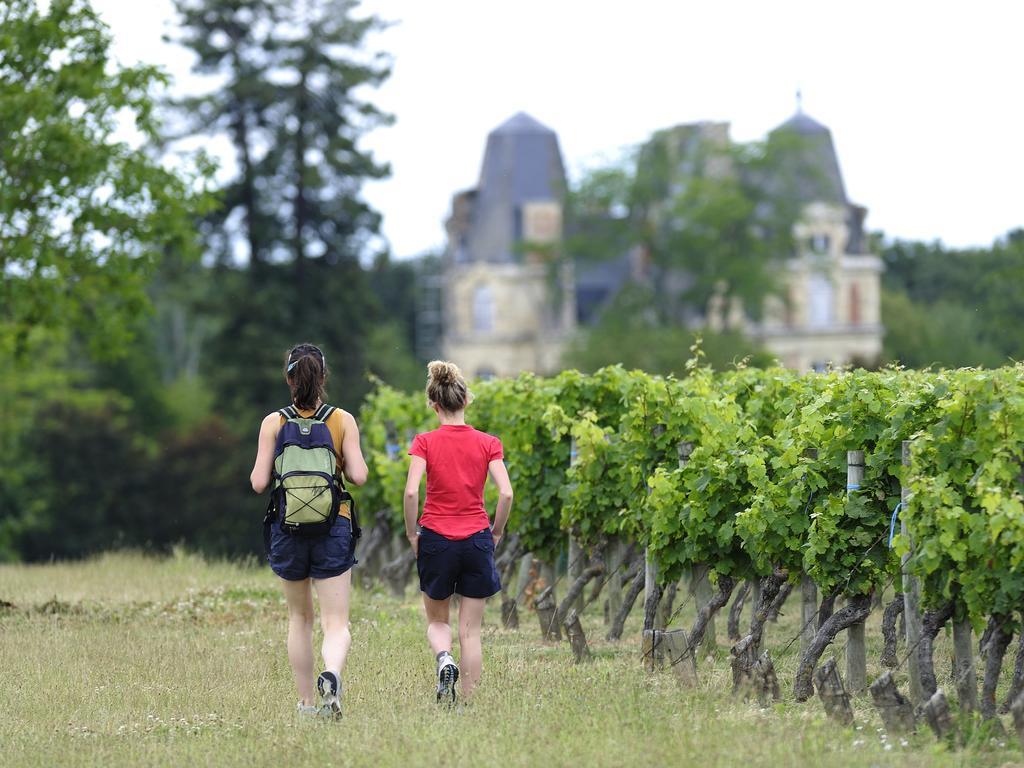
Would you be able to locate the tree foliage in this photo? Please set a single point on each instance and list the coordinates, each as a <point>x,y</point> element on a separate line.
<point>84,215</point>
<point>706,216</point>
<point>291,102</point>
<point>953,307</point>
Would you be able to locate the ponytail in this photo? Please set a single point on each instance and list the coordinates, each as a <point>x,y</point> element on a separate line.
<point>306,373</point>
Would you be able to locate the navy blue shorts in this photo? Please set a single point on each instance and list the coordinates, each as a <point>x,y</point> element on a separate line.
<point>319,557</point>
<point>463,566</point>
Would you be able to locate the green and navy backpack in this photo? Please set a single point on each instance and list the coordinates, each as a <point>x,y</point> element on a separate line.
<point>307,490</point>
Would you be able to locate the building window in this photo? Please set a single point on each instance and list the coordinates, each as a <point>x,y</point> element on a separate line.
<point>820,300</point>
<point>483,309</point>
<point>485,373</point>
<point>854,304</point>
<point>819,243</point>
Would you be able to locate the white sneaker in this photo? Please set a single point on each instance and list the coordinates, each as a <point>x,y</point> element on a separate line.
<point>329,687</point>
<point>447,676</point>
<point>307,710</point>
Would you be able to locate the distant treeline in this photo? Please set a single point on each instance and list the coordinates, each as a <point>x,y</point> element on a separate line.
<point>143,344</point>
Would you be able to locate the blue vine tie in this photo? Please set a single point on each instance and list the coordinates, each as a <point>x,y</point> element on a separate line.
<point>892,523</point>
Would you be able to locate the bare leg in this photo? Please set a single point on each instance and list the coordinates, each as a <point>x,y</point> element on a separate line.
<point>333,594</point>
<point>439,631</point>
<point>300,635</point>
<point>471,617</point>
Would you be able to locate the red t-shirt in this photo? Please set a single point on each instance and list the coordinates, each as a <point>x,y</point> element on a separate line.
<point>457,459</point>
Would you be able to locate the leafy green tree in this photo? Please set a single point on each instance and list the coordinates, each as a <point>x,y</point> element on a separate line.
<point>707,217</point>
<point>944,334</point>
<point>84,216</point>
<point>954,306</point>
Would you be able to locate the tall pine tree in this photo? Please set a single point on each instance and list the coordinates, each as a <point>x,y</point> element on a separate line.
<point>292,78</point>
<point>293,73</point>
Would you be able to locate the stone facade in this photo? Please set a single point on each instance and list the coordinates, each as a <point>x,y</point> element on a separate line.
<point>509,302</point>
<point>831,313</point>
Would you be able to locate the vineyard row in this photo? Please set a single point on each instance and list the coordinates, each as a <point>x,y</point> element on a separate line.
<point>834,484</point>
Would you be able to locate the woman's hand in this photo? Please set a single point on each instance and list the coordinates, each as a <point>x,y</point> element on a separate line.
<point>497,537</point>
<point>411,501</point>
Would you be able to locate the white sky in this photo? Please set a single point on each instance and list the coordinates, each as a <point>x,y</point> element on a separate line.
<point>923,98</point>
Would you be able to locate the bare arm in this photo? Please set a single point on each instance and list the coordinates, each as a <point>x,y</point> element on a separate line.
<point>499,476</point>
<point>354,464</point>
<point>260,477</point>
<point>411,501</point>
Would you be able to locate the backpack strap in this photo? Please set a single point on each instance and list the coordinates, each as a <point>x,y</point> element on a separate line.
<point>323,413</point>
<point>289,412</point>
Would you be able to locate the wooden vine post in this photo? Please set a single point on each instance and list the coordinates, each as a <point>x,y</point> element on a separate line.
<point>652,590</point>
<point>936,714</point>
<point>833,695</point>
<point>547,610</point>
<point>911,594</point>
<point>808,611</point>
<point>509,613</point>
<point>669,649</point>
<point>700,584</point>
<point>965,676</point>
<point>578,640</point>
<point>856,650</point>
<point>808,599</point>
<point>526,578</point>
<point>1017,710</point>
<point>618,552</point>
<point>896,711</point>
<point>576,558</point>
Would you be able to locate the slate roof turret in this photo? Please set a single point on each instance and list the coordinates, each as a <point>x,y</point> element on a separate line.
<point>522,164</point>
<point>816,154</point>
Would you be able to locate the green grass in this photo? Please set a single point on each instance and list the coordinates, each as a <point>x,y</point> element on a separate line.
<point>128,660</point>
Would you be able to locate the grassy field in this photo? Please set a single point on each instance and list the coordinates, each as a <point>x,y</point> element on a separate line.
<point>128,660</point>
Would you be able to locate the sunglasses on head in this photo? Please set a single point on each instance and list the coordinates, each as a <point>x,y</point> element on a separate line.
<point>323,361</point>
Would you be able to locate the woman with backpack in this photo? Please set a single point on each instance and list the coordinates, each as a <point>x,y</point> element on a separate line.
<point>454,545</point>
<point>304,451</point>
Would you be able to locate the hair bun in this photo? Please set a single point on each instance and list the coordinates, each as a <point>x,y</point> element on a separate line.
<point>444,373</point>
<point>446,386</point>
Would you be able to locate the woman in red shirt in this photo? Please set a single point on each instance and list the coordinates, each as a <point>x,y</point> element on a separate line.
<point>454,545</point>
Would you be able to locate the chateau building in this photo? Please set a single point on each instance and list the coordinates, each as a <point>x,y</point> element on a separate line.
<point>510,301</point>
<point>832,308</point>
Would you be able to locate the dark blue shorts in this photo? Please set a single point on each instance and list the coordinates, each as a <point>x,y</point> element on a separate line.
<point>319,557</point>
<point>463,566</point>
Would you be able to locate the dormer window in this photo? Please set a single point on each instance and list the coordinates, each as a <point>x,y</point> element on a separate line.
<point>819,243</point>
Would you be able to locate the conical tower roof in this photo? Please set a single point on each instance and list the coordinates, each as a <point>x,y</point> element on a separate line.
<point>521,122</point>
<point>522,164</point>
<point>814,154</point>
